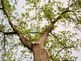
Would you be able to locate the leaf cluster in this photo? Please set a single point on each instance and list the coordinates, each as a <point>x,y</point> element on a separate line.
<point>48,11</point>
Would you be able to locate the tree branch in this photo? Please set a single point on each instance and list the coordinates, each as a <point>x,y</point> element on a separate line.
<point>23,39</point>
<point>44,36</point>
<point>0,8</point>
<point>8,33</point>
<point>65,11</point>
<point>75,15</point>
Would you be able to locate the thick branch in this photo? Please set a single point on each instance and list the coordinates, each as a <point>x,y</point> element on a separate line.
<point>44,36</point>
<point>23,39</point>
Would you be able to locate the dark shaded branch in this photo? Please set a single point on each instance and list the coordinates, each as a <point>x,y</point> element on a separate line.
<point>59,17</point>
<point>57,39</point>
<point>8,17</point>
<point>23,39</point>
<point>7,33</point>
<point>59,51</point>
<point>0,8</point>
<point>4,41</point>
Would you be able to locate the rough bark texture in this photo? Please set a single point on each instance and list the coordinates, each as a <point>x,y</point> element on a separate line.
<point>40,54</point>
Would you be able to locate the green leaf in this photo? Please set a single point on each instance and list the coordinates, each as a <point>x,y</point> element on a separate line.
<point>48,11</point>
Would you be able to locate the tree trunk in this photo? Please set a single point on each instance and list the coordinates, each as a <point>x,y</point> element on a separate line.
<point>40,54</point>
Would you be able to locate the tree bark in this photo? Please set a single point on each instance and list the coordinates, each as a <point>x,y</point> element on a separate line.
<point>40,54</point>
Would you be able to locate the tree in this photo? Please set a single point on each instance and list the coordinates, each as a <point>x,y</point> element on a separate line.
<point>36,36</point>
